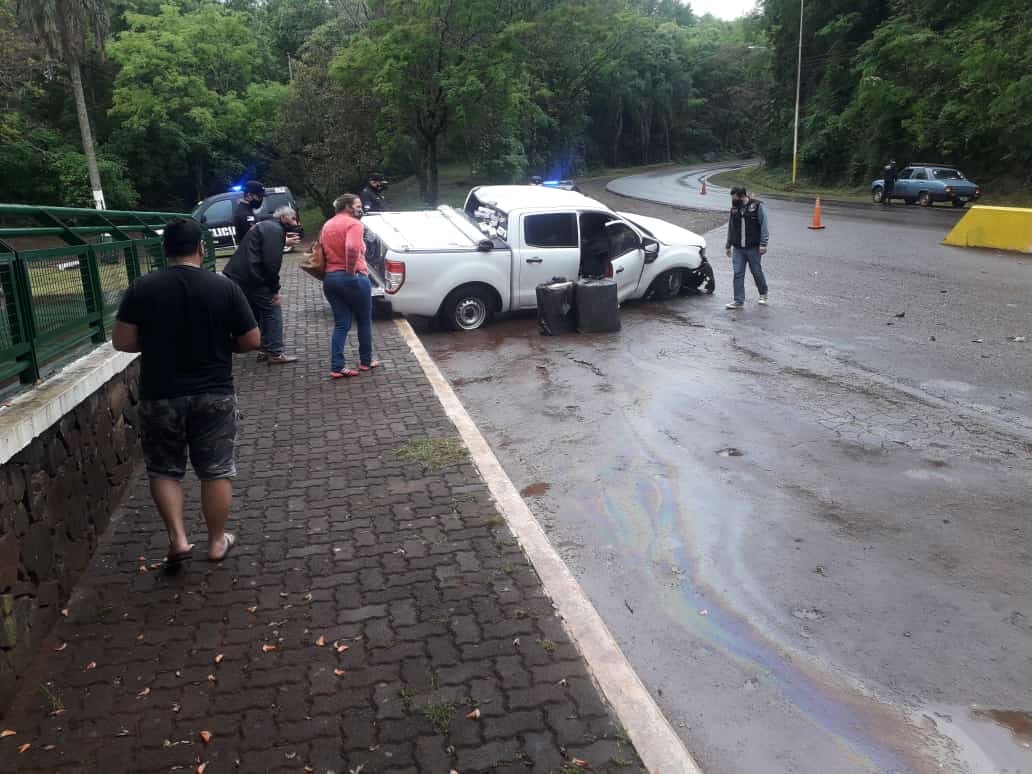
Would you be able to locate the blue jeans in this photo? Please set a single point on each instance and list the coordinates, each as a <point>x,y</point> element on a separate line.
<point>351,298</point>
<point>742,257</point>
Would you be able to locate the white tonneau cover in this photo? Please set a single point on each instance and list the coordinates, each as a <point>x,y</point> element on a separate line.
<point>425,230</point>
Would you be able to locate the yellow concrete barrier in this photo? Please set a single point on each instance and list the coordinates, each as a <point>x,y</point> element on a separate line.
<point>1005,228</point>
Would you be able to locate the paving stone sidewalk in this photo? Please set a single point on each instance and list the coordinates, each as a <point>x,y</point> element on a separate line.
<point>374,601</point>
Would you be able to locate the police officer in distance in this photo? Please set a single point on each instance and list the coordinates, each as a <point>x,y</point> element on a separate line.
<point>889,182</point>
<point>746,243</point>
<point>373,199</point>
<point>244,213</point>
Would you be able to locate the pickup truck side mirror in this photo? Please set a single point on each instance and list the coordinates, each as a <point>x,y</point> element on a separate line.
<point>651,249</point>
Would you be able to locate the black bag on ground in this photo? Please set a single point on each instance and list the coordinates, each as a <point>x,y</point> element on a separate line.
<point>556,308</point>
<point>598,310</point>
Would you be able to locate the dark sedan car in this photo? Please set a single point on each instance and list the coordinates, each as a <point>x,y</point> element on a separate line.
<point>216,213</point>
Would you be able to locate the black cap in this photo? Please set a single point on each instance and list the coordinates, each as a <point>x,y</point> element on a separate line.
<point>377,177</point>
<point>254,187</point>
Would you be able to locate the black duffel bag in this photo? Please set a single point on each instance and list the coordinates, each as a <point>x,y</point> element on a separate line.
<point>598,309</point>
<point>555,303</point>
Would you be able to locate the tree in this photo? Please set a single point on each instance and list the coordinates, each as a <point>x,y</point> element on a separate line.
<point>326,151</point>
<point>190,106</point>
<point>429,62</point>
<point>64,27</point>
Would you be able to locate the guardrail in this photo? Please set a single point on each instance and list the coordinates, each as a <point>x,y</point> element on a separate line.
<point>62,275</point>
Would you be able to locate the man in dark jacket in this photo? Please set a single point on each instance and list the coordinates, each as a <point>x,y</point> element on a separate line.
<point>747,243</point>
<point>889,182</point>
<point>245,211</point>
<point>255,267</point>
<point>373,199</point>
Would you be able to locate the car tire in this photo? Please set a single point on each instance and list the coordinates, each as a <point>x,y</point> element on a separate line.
<point>466,309</point>
<point>701,280</point>
<point>667,285</point>
<point>924,199</point>
<point>877,194</point>
<point>959,204</point>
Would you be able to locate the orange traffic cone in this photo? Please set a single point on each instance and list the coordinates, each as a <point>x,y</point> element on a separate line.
<point>817,216</point>
<point>703,191</point>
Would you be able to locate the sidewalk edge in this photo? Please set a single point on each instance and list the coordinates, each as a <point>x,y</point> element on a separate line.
<point>658,745</point>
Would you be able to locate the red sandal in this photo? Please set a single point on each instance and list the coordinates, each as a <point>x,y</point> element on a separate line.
<point>346,374</point>
<point>370,366</point>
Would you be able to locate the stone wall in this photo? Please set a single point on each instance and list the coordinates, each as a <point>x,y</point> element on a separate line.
<point>56,498</point>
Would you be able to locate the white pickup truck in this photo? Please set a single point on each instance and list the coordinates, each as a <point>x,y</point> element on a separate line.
<point>464,266</point>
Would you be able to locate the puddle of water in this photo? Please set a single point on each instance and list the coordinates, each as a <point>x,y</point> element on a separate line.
<point>988,740</point>
<point>535,490</point>
<point>927,475</point>
<point>946,385</point>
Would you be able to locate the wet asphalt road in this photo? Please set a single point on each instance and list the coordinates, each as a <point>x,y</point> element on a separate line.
<point>808,526</point>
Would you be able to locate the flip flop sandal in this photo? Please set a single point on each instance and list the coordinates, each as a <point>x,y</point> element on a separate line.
<point>370,366</point>
<point>178,558</point>
<point>231,540</point>
<point>344,374</point>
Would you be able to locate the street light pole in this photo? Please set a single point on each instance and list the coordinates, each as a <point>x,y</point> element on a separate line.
<point>798,84</point>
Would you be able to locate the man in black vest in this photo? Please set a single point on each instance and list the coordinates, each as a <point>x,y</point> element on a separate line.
<point>746,243</point>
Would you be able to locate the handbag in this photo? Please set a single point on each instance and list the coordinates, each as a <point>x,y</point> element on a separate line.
<point>314,263</point>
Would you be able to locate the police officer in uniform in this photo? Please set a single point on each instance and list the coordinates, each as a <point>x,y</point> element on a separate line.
<point>244,213</point>
<point>373,199</point>
<point>746,243</point>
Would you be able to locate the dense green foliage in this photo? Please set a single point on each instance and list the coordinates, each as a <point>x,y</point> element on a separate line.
<point>935,80</point>
<point>187,97</point>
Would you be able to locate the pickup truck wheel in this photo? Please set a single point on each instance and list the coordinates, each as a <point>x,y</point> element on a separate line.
<point>667,285</point>
<point>877,194</point>
<point>466,309</point>
<point>700,280</point>
<point>924,199</point>
<point>709,282</point>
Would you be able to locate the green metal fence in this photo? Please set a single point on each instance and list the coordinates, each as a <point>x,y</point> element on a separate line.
<point>62,275</point>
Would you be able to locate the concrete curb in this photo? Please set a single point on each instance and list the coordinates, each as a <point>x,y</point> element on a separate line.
<point>31,413</point>
<point>659,747</point>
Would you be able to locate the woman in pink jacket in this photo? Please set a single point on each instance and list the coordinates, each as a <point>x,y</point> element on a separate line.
<point>347,285</point>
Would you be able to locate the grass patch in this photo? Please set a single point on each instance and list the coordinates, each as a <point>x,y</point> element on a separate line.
<point>547,645</point>
<point>311,216</point>
<point>52,698</point>
<point>407,695</point>
<point>439,715</point>
<point>433,453</point>
<point>763,179</point>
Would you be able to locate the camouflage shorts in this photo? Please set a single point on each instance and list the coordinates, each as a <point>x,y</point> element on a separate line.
<point>203,425</point>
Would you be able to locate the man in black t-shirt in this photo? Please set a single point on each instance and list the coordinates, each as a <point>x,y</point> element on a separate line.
<point>187,323</point>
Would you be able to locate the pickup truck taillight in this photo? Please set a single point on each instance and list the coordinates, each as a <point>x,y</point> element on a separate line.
<point>393,276</point>
<point>609,270</point>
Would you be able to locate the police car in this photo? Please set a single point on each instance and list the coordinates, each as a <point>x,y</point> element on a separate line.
<point>216,213</point>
